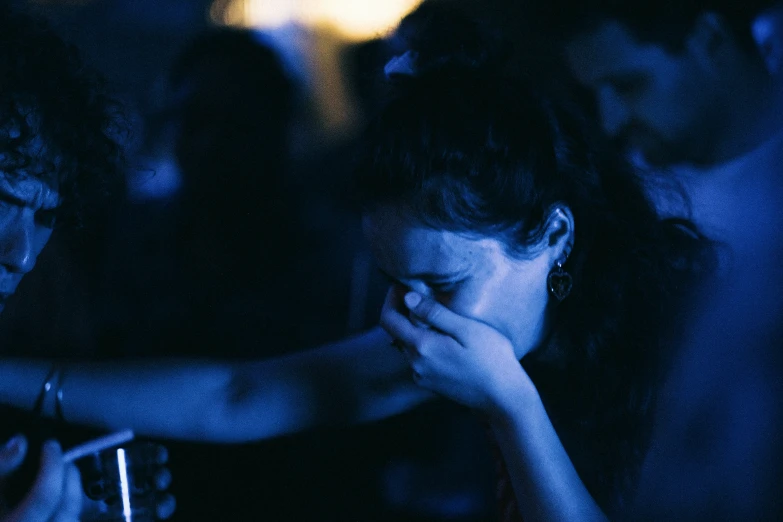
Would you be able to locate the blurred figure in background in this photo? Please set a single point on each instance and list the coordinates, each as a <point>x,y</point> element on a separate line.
<point>679,82</point>
<point>210,215</point>
<point>230,218</point>
<point>693,91</point>
<point>229,253</point>
<point>684,88</point>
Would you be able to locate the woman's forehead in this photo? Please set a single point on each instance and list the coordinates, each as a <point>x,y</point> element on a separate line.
<point>404,245</point>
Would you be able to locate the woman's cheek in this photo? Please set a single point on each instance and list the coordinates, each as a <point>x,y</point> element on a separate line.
<point>468,303</point>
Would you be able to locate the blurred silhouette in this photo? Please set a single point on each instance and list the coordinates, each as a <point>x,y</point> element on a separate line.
<point>230,222</point>
<point>678,82</point>
<point>692,89</point>
<point>230,251</point>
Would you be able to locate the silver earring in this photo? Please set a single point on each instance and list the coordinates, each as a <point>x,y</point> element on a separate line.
<point>559,282</point>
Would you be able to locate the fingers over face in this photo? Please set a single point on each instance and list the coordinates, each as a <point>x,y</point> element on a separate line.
<point>394,318</point>
<point>437,316</point>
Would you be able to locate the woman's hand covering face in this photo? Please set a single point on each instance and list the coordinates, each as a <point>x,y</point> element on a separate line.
<point>457,357</point>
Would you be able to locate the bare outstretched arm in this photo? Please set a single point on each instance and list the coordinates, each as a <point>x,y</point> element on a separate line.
<point>356,380</point>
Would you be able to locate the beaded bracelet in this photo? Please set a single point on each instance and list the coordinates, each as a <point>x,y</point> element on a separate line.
<point>58,397</point>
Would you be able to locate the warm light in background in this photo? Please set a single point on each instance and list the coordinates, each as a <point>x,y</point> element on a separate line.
<point>61,2</point>
<point>354,19</point>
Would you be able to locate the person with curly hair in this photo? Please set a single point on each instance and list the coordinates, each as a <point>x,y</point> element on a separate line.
<point>58,148</point>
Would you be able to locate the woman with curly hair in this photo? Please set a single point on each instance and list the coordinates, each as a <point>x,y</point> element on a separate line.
<point>508,237</point>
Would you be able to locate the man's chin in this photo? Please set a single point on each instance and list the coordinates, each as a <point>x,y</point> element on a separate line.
<point>658,154</point>
<point>649,160</point>
<point>647,150</point>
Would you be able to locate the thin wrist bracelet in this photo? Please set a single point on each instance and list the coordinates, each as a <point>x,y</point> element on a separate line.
<point>47,386</point>
<point>58,396</point>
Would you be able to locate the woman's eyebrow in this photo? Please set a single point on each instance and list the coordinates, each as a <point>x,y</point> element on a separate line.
<point>430,276</point>
<point>423,276</point>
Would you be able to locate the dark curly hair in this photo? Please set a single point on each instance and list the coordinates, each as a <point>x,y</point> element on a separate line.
<point>467,147</point>
<point>59,125</point>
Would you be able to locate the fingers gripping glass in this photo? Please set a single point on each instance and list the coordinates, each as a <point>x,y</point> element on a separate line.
<point>118,477</point>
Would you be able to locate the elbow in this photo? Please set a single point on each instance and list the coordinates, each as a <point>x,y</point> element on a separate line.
<point>215,414</point>
<point>246,408</point>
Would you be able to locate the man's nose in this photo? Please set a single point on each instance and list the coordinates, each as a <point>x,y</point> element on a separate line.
<point>17,253</point>
<point>613,112</point>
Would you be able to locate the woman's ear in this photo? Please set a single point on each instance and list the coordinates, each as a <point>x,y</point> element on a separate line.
<point>558,237</point>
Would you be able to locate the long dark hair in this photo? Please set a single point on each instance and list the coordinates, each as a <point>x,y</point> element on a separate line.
<point>467,146</point>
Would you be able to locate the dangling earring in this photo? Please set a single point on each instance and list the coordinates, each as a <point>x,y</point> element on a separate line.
<point>559,282</point>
